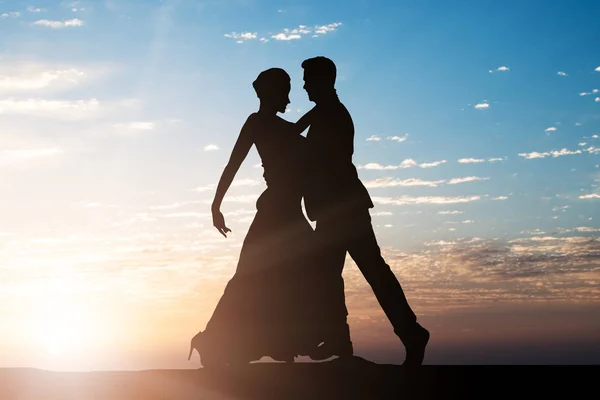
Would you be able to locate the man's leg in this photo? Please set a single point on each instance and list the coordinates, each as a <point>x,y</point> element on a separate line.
<point>329,287</point>
<point>364,250</point>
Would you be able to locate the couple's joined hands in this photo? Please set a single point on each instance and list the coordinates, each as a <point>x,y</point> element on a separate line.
<point>219,222</point>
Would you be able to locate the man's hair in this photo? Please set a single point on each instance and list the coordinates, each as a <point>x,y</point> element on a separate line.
<point>321,68</point>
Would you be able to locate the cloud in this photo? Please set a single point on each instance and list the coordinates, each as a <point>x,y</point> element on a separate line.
<point>481,106</point>
<point>381,213</point>
<point>470,160</point>
<point>373,138</point>
<point>35,9</point>
<point>407,163</point>
<point>550,129</point>
<point>33,80</point>
<point>287,34</point>
<point>393,182</point>
<point>22,156</point>
<point>432,164</point>
<point>584,93</point>
<point>590,196</point>
<point>11,14</point>
<point>454,181</point>
<point>246,182</point>
<point>597,99</point>
<point>534,267</point>
<point>408,200</point>
<point>561,73</point>
<point>62,109</point>
<point>501,69</point>
<point>204,188</point>
<point>323,29</point>
<point>211,147</point>
<point>60,24</point>
<point>597,69</point>
<point>553,153</point>
<point>450,212</point>
<point>241,37</point>
<point>500,198</point>
<point>398,138</point>
<point>478,160</point>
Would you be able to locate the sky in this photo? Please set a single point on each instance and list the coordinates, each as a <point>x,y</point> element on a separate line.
<point>477,135</point>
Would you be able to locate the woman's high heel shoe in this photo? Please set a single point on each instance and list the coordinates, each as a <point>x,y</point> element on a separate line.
<point>195,343</point>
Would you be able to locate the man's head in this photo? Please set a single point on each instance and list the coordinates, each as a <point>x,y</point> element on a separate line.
<point>319,77</point>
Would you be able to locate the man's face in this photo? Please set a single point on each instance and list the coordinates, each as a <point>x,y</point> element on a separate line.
<point>310,86</point>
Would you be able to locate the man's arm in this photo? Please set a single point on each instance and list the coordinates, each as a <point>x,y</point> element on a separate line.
<point>342,129</point>
<point>303,123</point>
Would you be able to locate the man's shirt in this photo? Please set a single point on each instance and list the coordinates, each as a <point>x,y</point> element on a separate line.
<point>334,184</point>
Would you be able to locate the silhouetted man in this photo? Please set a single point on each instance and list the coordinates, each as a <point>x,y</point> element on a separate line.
<point>339,203</point>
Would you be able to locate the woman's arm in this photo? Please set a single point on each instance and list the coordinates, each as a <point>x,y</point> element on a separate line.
<point>240,150</point>
<point>303,123</point>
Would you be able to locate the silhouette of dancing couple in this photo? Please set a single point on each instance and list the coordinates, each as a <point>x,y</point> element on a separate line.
<point>286,298</point>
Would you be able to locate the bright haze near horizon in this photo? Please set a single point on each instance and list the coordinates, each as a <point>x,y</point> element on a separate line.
<point>477,135</point>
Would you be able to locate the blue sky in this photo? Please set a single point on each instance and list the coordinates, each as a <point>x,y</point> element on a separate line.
<point>477,129</point>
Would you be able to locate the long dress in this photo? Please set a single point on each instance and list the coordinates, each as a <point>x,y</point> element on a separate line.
<point>271,305</point>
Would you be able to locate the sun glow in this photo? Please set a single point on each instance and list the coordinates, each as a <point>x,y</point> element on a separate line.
<point>64,329</point>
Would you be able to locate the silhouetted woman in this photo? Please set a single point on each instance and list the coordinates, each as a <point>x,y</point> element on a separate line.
<point>271,305</point>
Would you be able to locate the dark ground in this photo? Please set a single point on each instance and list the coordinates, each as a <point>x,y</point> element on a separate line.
<point>310,381</point>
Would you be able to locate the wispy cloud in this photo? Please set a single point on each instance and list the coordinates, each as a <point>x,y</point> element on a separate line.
<point>11,14</point>
<point>211,147</point>
<point>23,156</point>
<point>62,109</point>
<point>60,24</point>
<point>393,182</point>
<point>241,37</point>
<point>482,106</point>
<point>550,129</point>
<point>471,160</point>
<point>398,138</point>
<point>432,164</point>
<point>503,68</point>
<point>33,9</point>
<point>590,196</point>
<point>407,163</point>
<point>32,80</point>
<point>454,181</point>
<point>553,153</point>
<point>562,73</point>
<point>373,138</point>
<point>287,34</point>
<point>409,200</point>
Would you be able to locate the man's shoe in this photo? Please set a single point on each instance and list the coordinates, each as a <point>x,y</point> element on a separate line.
<point>415,350</point>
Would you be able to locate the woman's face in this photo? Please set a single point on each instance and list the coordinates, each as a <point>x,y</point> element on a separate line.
<point>282,98</point>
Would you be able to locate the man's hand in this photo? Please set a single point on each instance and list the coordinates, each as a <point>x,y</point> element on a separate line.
<point>219,222</point>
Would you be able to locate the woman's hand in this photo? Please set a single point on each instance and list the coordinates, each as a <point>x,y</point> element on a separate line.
<point>219,222</point>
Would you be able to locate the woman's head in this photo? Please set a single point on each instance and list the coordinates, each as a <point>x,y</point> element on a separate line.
<point>273,88</point>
